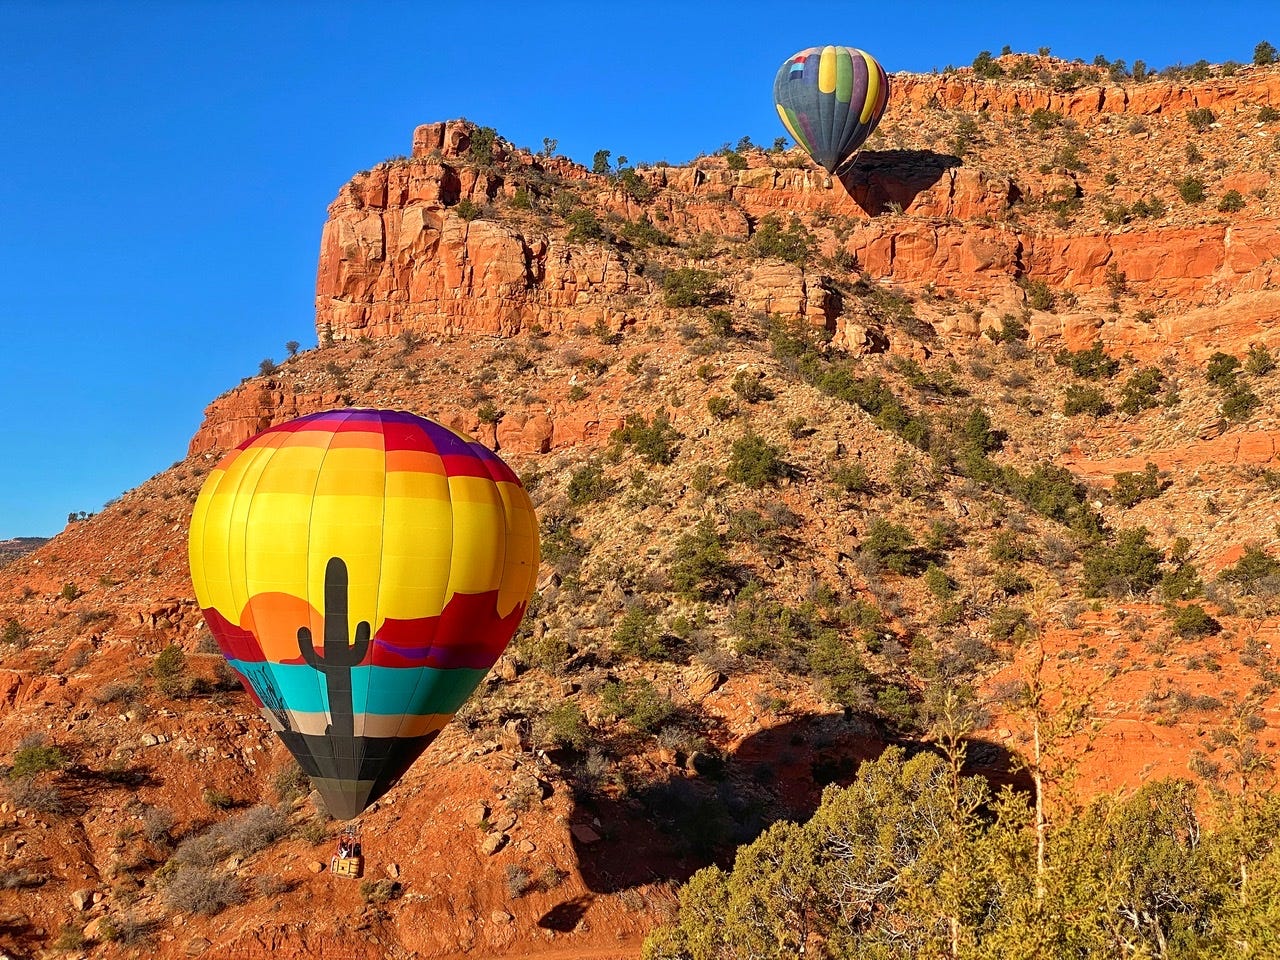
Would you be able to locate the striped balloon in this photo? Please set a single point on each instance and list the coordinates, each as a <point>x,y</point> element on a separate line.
<point>830,99</point>
<point>361,571</point>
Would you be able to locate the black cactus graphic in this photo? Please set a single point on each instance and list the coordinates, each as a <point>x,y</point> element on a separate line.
<point>340,653</point>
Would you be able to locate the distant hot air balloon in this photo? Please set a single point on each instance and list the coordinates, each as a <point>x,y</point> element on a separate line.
<point>362,570</point>
<point>830,99</point>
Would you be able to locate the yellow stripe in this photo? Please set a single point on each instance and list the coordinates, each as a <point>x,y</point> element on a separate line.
<point>827,70</point>
<point>873,87</point>
<point>410,540</point>
<point>782,114</point>
<point>479,538</point>
<point>195,544</point>
<point>520,568</point>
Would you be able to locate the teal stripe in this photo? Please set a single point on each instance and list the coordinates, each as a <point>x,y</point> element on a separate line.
<point>388,691</point>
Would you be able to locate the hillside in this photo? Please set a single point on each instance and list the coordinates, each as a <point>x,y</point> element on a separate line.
<point>806,454</point>
<point>16,546</point>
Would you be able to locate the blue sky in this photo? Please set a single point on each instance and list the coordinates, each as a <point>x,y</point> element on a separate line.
<point>165,166</point>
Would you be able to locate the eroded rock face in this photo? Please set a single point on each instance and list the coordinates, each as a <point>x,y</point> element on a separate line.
<point>397,257</point>
<point>1089,103</point>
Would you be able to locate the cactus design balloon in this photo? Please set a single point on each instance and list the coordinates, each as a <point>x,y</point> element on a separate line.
<point>361,571</point>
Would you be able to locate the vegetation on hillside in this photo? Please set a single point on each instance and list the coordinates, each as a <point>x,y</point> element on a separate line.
<point>819,526</point>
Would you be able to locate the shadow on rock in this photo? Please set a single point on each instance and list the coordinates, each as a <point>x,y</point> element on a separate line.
<point>881,178</point>
<point>564,917</point>
<point>693,811</point>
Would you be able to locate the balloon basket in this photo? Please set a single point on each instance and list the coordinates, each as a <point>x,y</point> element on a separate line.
<point>349,868</point>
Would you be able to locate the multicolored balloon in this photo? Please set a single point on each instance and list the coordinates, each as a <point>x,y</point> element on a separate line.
<point>830,99</point>
<point>361,571</point>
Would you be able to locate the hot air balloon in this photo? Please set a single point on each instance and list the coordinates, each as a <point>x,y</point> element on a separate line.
<point>830,99</point>
<point>361,571</point>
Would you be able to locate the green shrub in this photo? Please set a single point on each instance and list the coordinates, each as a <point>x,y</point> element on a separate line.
<point>584,227</point>
<point>1201,119</point>
<point>700,567</point>
<point>893,547</point>
<point>755,462</point>
<point>38,758</point>
<point>590,483</point>
<point>1008,547</point>
<point>69,938</point>
<point>1053,492</point>
<point>1180,583</point>
<point>467,209</point>
<point>794,243</point>
<point>1008,623</point>
<point>169,669</point>
<point>690,287</point>
<point>1231,202</point>
<point>1193,621</point>
<point>291,783</point>
<point>482,142</point>
<point>1221,369</point>
<point>1039,294</point>
<point>1141,390</point>
<point>638,702</point>
<point>766,628</point>
<point>1240,402</point>
<point>634,186</point>
<point>1090,400</point>
<point>720,407</point>
<point>1128,565</point>
<point>642,233</point>
<point>1191,189</point>
<point>721,322</point>
<point>985,66</point>
<point>1010,583</point>
<point>1042,119</point>
<point>750,387</point>
<point>218,799</point>
<point>565,725</point>
<point>14,633</point>
<point>522,199</point>
<point>938,583</point>
<point>1132,488</point>
<point>852,478</point>
<point>1011,330</point>
<point>637,635</point>
<point>655,442</point>
<point>1259,361</point>
<point>1091,364</point>
<point>835,662</point>
<point>1256,571</point>
<point>1264,53</point>
<point>380,891</point>
<point>1149,206</point>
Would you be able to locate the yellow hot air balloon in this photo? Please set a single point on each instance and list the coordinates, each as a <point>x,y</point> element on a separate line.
<point>362,570</point>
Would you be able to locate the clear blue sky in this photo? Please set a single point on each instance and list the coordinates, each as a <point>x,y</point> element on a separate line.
<point>165,166</point>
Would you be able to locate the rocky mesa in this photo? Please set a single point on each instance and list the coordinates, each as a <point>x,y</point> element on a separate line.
<point>993,412</point>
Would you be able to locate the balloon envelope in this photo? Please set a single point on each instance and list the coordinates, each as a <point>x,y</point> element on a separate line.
<point>830,99</point>
<point>361,571</point>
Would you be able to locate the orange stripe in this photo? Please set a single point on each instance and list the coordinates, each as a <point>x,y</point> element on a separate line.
<point>415,461</point>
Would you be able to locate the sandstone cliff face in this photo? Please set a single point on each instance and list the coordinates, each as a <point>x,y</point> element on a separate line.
<point>396,256</point>
<point>961,91</point>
